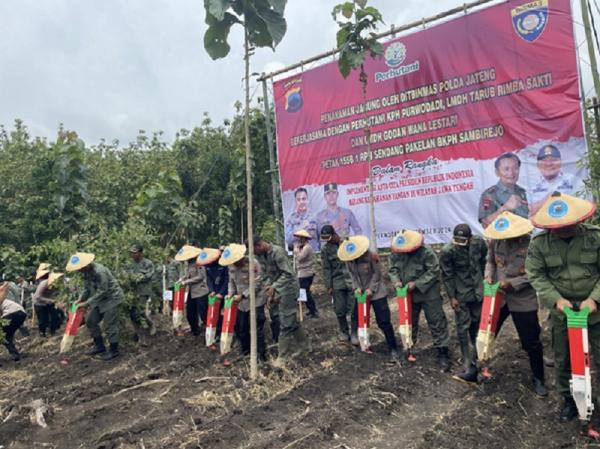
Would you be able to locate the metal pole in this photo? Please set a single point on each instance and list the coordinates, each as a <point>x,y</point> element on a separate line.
<point>596,106</point>
<point>590,45</point>
<point>272,166</point>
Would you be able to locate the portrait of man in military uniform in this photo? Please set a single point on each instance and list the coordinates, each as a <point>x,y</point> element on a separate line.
<point>343,220</point>
<point>551,178</point>
<point>301,219</point>
<point>506,195</point>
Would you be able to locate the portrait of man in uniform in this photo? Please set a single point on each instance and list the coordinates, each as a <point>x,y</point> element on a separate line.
<point>343,220</point>
<point>301,219</point>
<point>551,178</point>
<point>506,195</point>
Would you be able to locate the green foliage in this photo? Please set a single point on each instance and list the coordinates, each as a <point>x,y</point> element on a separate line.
<point>356,38</point>
<point>263,20</point>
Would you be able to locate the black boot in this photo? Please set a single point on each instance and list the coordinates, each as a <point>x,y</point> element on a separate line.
<point>568,411</point>
<point>443,359</point>
<point>98,347</point>
<point>12,350</point>
<point>539,388</point>
<point>469,375</point>
<point>112,353</point>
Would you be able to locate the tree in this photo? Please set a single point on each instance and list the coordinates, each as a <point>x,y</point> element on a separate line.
<point>356,39</point>
<point>264,26</point>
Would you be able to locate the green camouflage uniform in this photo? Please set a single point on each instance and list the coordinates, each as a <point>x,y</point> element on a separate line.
<point>141,275</point>
<point>569,269</point>
<point>462,273</point>
<point>337,278</point>
<point>422,268</point>
<point>103,297</point>
<point>281,277</point>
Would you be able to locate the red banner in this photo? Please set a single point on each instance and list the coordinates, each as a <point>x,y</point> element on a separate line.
<point>443,105</point>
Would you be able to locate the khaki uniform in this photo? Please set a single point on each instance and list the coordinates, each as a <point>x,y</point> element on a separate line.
<point>568,269</point>
<point>103,295</point>
<point>422,268</point>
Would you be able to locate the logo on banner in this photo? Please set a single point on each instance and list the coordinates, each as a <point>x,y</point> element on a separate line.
<point>293,96</point>
<point>530,20</point>
<point>395,54</point>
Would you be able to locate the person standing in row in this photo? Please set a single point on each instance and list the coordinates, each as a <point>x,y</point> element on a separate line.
<point>305,259</point>
<point>510,236</point>
<point>217,280</point>
<point>234,258</point>
<point>563,266</point>
<point>101,297</point>
<point>44,303</point>
<point>365,271</point>
<point>338,284</point>
<point>415,265</point>
<point>195,279</point>
<point>462,262</point>
<point>13,316</point>
<point>281,289</point>
<point>140,274</point>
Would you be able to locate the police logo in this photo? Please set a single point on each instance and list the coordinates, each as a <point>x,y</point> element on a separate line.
<point>558,209</point>
<point>400,240</point>
<point>75,260</point>
<point>395,54</point>
<point>350,247</point>
<point>502,224</point>
<point>203,255</point>
<point>530,20</point>
<point>293,100</point>
<point>227,253</point>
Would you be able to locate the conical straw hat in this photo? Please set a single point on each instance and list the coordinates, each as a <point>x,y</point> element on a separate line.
<point>508,226</point>
<point>232,253</point>
<point>187,252</point>
<point>208,256</point>
<point>561,210</point>
<point>407,241</point>
<point>53,278</point>
<point>79,261</point>
<point>353,247</point>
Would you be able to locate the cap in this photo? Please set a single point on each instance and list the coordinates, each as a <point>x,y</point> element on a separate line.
<point>327,232</point>
<point>462,233</point>
<point>331,187</point>
<point>548,151</point>
<point>136,248</point>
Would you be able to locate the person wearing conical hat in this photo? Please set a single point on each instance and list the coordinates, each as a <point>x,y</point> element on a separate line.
<point>415,265</point>
<point>563,266</point>
<point>196,306</point>
<point>235,260</point>
<point>462,262</point>
<point>101,298</point>
<point>44,302</point>
<point>282,291</point>
<point>217,280</point>
<point>12,315</point>
<point>305,259</point>
<point>365,272</point>
<point>338,284</point>
<point>510,237</point>
<point>139,274</point>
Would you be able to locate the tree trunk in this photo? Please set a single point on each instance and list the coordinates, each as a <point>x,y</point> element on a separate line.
<point>250,233</point>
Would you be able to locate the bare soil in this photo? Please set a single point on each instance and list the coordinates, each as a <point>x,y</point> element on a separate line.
<point>173,392</point>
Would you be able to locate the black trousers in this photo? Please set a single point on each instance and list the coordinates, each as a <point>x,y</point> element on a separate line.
<point>196,308</point>
<point>15,321</point>
<point>306,283</point>
<point>528,328</point>
<point>242,330</point>
<point>383,318</point>
<point>48,317</point>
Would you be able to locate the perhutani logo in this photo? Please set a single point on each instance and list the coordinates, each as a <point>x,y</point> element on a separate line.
<point>394,55</point>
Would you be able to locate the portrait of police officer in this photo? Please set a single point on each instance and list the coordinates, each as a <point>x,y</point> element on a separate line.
<point>301,219</point>
<point>551,178</point>
<point>506,195</point>
<point>343,220</point>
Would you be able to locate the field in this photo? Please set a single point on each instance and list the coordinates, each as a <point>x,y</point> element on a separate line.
<point>170,392</point>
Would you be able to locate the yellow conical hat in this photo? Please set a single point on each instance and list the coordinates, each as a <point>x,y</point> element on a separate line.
<point>232,253</point>
<point>208,256</point>
<point>508,226</point>
<point>302,233</point>
<point>54,277</point>
<point>39,273</point>
<point>407,241</point>
<point>79,261</point>
<point>353,247</point>
<point>561,210</point>
<point>43,266</point>
<point>187,252</point>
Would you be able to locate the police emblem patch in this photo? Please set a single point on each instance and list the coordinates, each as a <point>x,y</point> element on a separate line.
<point>293,99</point>
<point>400,241</point>
<point>350,247</point>
<point>530,19</point>
<point>227,253</point>
<point>558,209</point>
<point>502,224</point>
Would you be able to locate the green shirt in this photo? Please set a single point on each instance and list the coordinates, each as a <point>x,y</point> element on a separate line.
<point>335,272</point>
<point>174,272</point>
<point>422,268</point>
<point>568,269</point>
<point>278,272</point>
<point>101,289</point>
<point>462,269</point>
<point>141,275</point>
